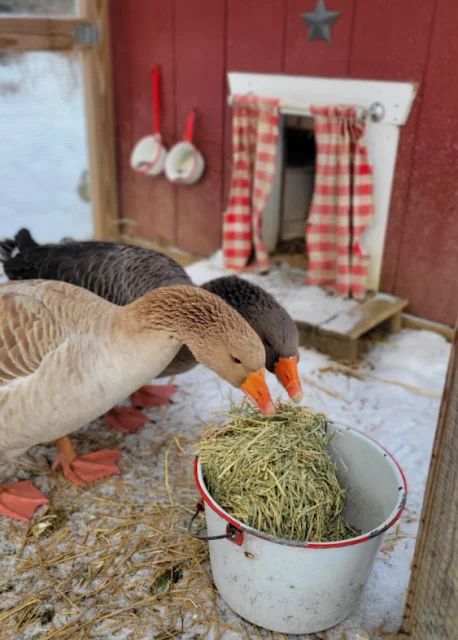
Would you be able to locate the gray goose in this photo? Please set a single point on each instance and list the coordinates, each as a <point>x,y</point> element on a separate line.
<point>122,273</point>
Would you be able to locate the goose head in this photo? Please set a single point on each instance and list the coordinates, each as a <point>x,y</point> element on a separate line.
<point>272,323</point>
<point>215,333</point>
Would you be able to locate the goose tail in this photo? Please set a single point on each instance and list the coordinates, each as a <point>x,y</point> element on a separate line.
<point>8,249</point>
<point>24,240</point>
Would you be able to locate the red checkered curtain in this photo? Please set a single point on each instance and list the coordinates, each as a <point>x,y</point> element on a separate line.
<point>255,128</point>
<point>342,205</point>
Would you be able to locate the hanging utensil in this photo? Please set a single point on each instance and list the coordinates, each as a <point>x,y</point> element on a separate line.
<point>149,154</point>
<point>184,163</point>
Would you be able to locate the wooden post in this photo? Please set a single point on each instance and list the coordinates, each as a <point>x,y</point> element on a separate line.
<point>100,122</point>
<point>431,611</point>
<point>38,34</point>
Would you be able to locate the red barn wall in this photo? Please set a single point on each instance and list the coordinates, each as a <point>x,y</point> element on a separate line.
<point>197,42</point>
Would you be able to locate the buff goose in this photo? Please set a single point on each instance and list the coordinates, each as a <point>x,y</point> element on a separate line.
<point>122,273</point>
<point>67,356</point>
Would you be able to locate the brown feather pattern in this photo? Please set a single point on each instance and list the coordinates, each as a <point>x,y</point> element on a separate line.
<point>67,356</point>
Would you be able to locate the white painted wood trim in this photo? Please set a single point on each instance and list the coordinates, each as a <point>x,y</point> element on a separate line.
<point>302,91</point>
<point>382,146</point>
<point>270,230</point>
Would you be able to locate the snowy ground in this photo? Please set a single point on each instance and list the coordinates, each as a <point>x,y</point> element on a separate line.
<point>304,303</point>
<point>43,134</point>
<point>395,399</point>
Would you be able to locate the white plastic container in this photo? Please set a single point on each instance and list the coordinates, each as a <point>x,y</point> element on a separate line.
<point>296,587</point>
<point>185,164</point>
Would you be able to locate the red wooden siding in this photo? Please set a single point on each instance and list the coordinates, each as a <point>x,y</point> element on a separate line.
<point>427,268</point>
<point>318,58</point>
<point>199,83</point>
<point>197,43</point>
<point>142,37</point>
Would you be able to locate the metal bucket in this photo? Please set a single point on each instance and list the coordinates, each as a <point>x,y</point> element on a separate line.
<point>297,587</point>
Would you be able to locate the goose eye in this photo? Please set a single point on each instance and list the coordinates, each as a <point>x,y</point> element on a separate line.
<point>234,359</point>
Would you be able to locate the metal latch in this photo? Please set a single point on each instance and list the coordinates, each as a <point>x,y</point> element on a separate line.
<point>87,34</point>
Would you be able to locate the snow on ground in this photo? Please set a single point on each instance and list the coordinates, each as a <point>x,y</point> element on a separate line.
<point>401,418</point>
<point>43,134</point>
<point>286,284</point>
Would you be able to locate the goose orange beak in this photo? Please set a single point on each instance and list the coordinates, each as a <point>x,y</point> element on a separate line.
<point>255,388</point>
<point>286,371</point>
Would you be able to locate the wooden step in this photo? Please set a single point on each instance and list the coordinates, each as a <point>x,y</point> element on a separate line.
<point>352,324</point>
<point>341,335</point>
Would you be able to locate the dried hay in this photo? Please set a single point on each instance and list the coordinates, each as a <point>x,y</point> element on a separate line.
<point>275,473</point>
<point>353,372</point>
<point>111,560</point>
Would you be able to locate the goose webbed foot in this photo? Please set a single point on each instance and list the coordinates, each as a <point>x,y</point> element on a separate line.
<point>126,419</point>
<point>85,468</point>
<point>153,395</point>
<point>19,500</point>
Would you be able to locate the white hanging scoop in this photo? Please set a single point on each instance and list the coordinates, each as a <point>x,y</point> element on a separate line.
<point>185,164</point>
<point>149,154</point>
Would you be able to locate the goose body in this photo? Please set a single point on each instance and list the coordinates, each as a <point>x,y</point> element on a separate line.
<point>67,355</point>
<point>117,272</point>
<point>66,360</point>
<point>121,273</point>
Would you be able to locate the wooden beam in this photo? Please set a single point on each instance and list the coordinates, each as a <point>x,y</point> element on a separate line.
<point>39,34</point>
<point>166,248</point>
<point>431,610</point>
<point>100,123</point>
<point>414,322</point>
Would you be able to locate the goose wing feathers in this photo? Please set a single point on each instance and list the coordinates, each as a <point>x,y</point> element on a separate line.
<point>117,272</point>
<point>29,331</point>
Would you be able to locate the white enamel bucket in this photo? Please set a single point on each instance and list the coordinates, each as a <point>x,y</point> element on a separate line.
<point>295,587</point>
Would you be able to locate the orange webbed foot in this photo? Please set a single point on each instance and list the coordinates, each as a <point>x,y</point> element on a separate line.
<point>19,500</point>
<point>88,467</point>
<point>153,395</point>
<point>126,419</point>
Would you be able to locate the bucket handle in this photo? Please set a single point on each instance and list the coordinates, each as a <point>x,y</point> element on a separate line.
<point>190,124</point>
<point>232,533</point>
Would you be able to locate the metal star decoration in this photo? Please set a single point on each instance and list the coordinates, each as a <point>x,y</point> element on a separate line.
<point>319,22</point>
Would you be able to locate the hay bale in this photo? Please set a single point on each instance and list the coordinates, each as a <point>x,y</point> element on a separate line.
<point>275,473</point>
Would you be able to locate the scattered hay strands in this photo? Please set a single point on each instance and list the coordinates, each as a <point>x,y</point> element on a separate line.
<point>324,388</point>
<point>89,565</point>
<point>363,375</point>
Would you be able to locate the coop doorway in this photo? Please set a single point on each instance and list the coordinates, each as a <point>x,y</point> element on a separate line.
<point>287,211</point>
<point>387,106</point>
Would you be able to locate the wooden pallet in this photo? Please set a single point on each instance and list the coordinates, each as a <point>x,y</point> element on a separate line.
<point>341,335</point>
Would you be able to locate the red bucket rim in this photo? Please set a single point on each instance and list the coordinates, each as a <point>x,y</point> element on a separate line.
<point>391,519</point>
